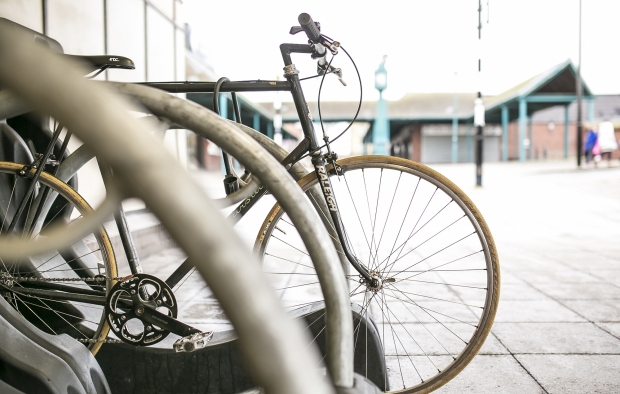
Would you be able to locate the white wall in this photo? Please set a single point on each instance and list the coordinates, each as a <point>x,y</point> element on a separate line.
<point>148,32</point>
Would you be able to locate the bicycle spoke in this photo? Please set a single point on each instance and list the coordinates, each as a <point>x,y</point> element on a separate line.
<point>294,262</point>
<point>401,247</point>
<point>8,205</point>
<point>439,251</point>
<point>359,219</point>
<point>434,269</point>
<point>387,216</point>
<point>439,299</point>
<point>299,250</point>
<point>37,316</point>
<point>292,287</point>
<point>426,328</point>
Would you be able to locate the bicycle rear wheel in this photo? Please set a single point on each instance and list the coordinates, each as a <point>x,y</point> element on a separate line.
<point>431,251</point>
<point>57,274</point>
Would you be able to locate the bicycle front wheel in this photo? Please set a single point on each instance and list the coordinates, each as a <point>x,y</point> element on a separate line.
<point>58,291</point>
<point>431,252</point>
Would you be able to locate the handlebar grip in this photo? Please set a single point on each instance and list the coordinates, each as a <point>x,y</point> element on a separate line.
<point>309,27</point>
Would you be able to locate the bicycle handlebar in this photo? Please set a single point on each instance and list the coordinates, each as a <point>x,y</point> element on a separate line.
<point>309,27</point>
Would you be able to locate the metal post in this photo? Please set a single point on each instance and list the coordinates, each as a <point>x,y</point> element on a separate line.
<point>479,147</point>
<point>504,133</point>
<point>522,126</point>
<point>479,122</point>
<point>579,88</point>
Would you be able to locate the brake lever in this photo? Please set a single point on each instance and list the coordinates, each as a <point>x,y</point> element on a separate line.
<point>298,29</point>
<point>295,29</point>
<point>322,68</point>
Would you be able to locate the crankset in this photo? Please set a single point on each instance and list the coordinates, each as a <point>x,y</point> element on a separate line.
<point>142,311</point>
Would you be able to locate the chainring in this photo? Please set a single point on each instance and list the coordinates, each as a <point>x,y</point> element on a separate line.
<point>144,289</point>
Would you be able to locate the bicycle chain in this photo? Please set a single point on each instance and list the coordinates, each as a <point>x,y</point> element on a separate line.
<point>10,279</point>
<point>18,279</point>
<point>107,340</point>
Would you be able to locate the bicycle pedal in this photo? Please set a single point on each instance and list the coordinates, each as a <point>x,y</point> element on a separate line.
<point>192,342</point>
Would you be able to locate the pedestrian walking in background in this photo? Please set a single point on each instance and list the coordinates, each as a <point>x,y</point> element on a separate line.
<point>607,140</point>
<point>589,146</point>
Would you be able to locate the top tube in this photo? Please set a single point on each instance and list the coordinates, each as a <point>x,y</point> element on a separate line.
<point>209,87</point>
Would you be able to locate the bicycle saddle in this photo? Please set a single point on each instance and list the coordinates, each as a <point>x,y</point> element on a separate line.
<point>105,61</point>
<point>94,62</point>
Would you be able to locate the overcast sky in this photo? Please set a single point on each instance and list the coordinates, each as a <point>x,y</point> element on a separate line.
<point>426,42</point>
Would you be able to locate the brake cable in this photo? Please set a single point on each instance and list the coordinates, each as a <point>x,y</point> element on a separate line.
<point>359,105</point>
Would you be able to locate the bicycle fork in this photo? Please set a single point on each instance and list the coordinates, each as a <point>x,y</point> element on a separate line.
<point>326,188</point>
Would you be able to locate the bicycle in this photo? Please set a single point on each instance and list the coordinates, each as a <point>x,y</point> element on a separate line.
<point>116,137</point>
<point>436,314</point>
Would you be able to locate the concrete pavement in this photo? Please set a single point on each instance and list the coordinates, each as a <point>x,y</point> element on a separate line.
<point>557,230</point>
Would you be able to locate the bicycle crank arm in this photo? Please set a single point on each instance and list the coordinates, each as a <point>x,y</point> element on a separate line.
<point>164,321</point>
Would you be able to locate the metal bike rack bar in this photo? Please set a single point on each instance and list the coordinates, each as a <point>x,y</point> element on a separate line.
<point>56,86</point>
<point>277,180</point>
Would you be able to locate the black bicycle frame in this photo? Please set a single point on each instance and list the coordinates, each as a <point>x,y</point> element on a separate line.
<point>309,144</point>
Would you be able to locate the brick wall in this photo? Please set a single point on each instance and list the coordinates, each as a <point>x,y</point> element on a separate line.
<point>547,143</point>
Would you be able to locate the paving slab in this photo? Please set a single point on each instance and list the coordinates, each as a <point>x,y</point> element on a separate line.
<point>519,292</point>
<point>579,291</point>
<point>596,310</point>
<point>492,346</point>
<point>612,328</point>
<point>535,311</point>
<point>492,374</point>
<point>609,276</point>
<point>562,275</point>
<point>575,373</point>
<point>565,338</point>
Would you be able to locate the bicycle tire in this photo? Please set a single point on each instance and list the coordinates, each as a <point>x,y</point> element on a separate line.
<point>275,227</point>
<point>92,330</point>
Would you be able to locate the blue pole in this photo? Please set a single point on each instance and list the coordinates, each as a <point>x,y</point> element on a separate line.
<point>469,143</point>
<point>522,128</point>
<point>504,133</point>
<point>223,106</point>
<point>455,130</point>
<point>566,131</point>
<point>530,138</point>
<point>256,122</point>
<point>591,110</point>
<point>381,128</point>
<point>223,102</point>
<point>270,130</point>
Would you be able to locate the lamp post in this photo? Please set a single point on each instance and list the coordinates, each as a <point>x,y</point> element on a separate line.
<point>579,94</point>
<point>381,127</point>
